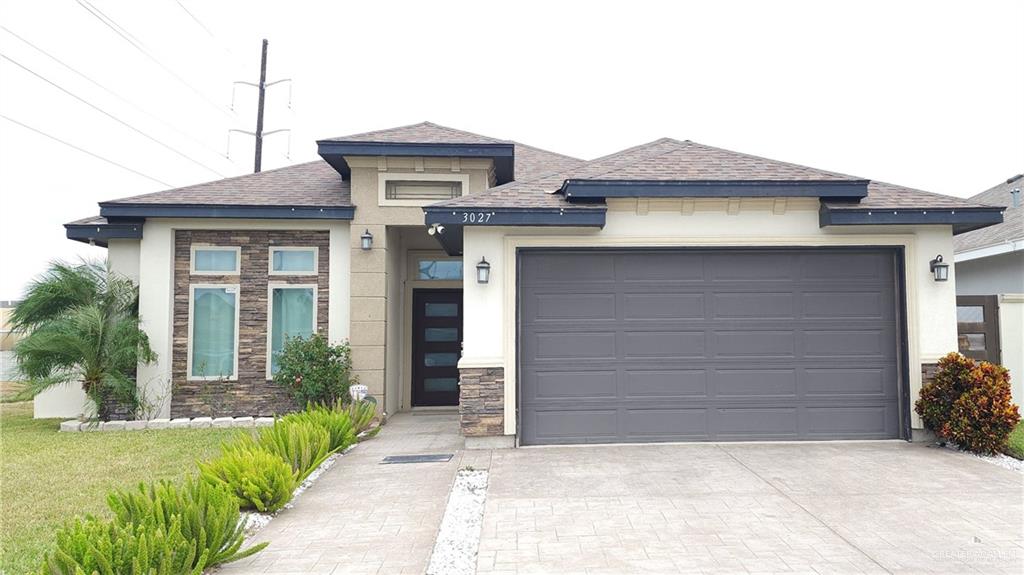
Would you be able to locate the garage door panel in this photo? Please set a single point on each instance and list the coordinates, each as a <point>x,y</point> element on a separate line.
<point>847,305</point>
<point>752,422</point>
<point>733,345</point>
<point>594,424</point>
<point>575,385</point>
<point>665,383</point>
<point>667,424</point>
<point>849,421</point>
<point>593,268</point>
<point>662,344</point>
<point>846,381</point>
<point>873,343</point>
<point>753,305</point>
<point>755,383</point>
<point>661,266</point>
<point>580,306</point>
<point>751,266</point>
<point>754,344</point>
<point>662,306</point>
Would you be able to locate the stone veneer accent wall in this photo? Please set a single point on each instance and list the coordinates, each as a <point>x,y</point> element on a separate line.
<point>252,393</point>
<point>482,401</point>
<point>928,371</point>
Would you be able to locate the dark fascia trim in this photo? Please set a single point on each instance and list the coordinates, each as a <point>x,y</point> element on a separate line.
<point>99,234</point>
<point>451,240</point>
<point>591,217</point>
<point>121,210</point>
<point>962,219</point>
<point>334,153</point>
<point>853,189</point>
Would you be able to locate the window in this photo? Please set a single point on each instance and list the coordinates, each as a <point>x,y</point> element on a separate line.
<point>440,270</point>
<point>213,332</point>
<point>292,261</point>
<point>416,190</point>
<point>215,260</point>
<point>292,314</point>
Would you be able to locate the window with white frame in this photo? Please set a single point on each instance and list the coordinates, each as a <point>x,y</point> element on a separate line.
<point>215,260</point>
<point>213,332</point>
<point>292,314</point>
<point>439,269</point>
<point>293,261</point>
<point>419,188</point>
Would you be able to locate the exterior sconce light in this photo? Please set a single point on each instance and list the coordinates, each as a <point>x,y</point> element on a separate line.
<point>483,271</point>
<point>366,240</point>
<point>939,269</point>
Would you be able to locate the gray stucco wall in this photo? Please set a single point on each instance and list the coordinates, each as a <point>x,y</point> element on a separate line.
<point>991,276</point>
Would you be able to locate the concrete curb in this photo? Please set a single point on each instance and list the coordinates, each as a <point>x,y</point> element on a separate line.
<point>75,426</point>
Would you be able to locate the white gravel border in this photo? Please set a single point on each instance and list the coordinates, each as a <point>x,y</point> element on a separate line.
<point>458,540</point>
<point>1000,459</point>
<point>254,520</point>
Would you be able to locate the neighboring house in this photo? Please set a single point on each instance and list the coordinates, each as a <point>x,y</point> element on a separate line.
<point>990,285</point>
<point>670,291</point>
<point>8,367</point>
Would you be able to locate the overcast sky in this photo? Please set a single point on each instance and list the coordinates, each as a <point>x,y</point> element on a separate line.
<point>924,94</point>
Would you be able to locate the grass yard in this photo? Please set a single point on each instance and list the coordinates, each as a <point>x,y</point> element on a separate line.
<point>47,477</point>
<point>1015,445</point>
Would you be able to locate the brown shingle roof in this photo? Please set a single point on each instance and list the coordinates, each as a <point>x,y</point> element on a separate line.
<point>317,184</point>
<point>1012,228</point>
<point>313,184</point>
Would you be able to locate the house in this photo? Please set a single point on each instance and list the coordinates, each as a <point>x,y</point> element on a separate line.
<point>669,291</point>
<point>990,285</point>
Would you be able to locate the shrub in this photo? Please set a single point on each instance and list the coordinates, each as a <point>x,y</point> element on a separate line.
<point>969,403</point>
<point>303,445</point>
<point>261,480</point>
<point>109,548</point>
<point>984,416</point>
<point>335,420</point>
<point>362,413</point>
<point>314,371</point>
<point>208,512</point>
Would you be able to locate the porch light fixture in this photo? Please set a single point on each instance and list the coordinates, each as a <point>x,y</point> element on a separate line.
<point>366,240</point>
<point>483,271</point>
<point>939,269</point>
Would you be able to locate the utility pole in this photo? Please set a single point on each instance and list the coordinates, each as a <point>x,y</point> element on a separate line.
<point>259,109</point>
<point>262,88</point>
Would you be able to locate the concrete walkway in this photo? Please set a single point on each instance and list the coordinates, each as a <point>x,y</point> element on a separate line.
<point>363,517</point>
<point>873,507</point>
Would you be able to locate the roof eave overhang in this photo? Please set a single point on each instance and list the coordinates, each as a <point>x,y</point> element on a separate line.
<point>963,219</point>
<point>101,233</point>
<point>503,155</point>
<point>853,190</point>
<point>449,224</point>
<point>124,210</point>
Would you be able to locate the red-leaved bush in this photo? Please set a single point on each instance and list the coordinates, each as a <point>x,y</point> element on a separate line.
<point>969,404</point>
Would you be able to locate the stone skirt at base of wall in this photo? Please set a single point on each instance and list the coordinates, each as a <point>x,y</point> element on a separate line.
<point>482,401</point>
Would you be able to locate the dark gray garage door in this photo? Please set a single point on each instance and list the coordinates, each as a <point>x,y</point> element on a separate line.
<point>670,345</point>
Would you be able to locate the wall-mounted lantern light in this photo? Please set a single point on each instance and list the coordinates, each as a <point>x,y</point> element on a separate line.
<point>366,240</point>
<point>939,269</point>
<point>483,271</point>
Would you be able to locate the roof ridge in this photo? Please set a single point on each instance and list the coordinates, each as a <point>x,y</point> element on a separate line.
<point>698,144</point>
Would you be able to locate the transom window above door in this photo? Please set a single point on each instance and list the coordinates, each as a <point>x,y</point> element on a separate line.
<point>293,261</point>
<point>439,269</point>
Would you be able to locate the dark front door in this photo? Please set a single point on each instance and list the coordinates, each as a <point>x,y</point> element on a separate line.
<point>977,327</point>
<point>436,346</point>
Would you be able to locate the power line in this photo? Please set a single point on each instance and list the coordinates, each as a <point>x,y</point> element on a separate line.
<point>84,151</point>
<point>138,45</point>
<point>112,92</point>
<point>111,116</point>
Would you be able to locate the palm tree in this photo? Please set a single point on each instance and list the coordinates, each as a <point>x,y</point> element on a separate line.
<point>81,324</point>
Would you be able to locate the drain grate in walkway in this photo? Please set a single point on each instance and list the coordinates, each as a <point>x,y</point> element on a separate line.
<point>425,458</point>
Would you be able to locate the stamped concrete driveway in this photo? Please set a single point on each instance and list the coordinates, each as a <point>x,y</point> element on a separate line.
<point>871,507</point>
<point>762,508</point>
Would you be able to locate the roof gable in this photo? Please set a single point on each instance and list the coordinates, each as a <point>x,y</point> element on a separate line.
<point>1012,228</point>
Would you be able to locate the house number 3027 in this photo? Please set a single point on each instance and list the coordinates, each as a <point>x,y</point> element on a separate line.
<point>476,217</point>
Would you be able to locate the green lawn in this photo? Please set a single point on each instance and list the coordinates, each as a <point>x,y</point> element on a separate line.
<point>47,477</point>
<point>1015,445</point>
